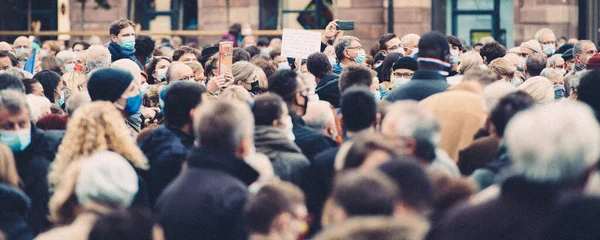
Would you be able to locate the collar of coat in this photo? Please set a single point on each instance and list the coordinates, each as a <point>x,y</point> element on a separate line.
<point>210,159</point>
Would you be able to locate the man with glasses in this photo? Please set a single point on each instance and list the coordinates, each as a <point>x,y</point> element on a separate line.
<point>402,71</point>
<point>348,50</point>
<point>547,40</point>
<point>179,72</point>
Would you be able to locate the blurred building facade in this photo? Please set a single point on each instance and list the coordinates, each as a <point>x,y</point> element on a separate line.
<point>510,21</point>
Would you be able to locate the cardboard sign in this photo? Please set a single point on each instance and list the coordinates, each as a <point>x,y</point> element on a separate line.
<point>225,57</point>
<point>300,43</point>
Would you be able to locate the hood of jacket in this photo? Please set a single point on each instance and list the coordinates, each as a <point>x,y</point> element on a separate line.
<point>271,140</point>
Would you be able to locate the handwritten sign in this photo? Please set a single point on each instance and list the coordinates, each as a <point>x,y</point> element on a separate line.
<point>300,43</point>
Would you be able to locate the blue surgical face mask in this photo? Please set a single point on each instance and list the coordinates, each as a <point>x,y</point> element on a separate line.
<point>148,59</point>
<point>128,43</point>
<point>43,53</point>
<point>559,91</point>
<point>21,50</point>
<point>360,57</point>
<point>61,100</point>
<point>377,96</point>
<point>69,67</point>
<point>397,82</point>
<point>132,106</point>
<point>18,140</point>
<point>453,57</point>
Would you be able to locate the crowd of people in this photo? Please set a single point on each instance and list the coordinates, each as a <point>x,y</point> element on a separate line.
<point>418,137</point>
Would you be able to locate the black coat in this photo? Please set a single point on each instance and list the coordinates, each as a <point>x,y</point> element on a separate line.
<point>32,166</point>
<point>423,84</point>
<point>14,208</point>
<point>328,89</point>
<point>207,200</point>
<point>318,184</point>
<point>286,157</point>
<point>522,211</point>
<point>309,140</point>
<point>166,150</point>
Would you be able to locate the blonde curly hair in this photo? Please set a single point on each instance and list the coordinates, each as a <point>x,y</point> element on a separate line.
<point>95,127</point>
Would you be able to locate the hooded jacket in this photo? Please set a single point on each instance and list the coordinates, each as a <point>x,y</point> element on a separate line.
<point>207,200</point>
<point>14,209</point>
<point>328,89</point>
<point>286,157</point>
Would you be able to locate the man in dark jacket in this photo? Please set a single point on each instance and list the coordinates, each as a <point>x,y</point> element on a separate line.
<point>168,146</point>
<point>207,200</point>
<point>545,170</point>
<point>15,206</point>
<point>434,64</point>
<point>290,87</point>
<point>327,82</point>
<point>33,148</point>
<point>122,41</point>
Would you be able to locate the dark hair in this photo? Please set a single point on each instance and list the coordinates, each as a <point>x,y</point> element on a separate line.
<point>183,50</point>
<point>388,63</point>
<point>124,224</point>
<point>455,42</point>
<point>263,42</point>
<point>384,39</point>
<point>355,75</point>
<point>275,53</point>
<point>588,89</point>
<point>318,65</point>
<point>271,200</point>
<point>507,107</point>
<point>267,107</point>
<point>152,66</point>
<point>535,63</point>
<point>8,81</point>
<point>362,193</point>
<point>144,46</point>
<point>49,81</point>
<point>84,44</point>
<point>358,108</point>
<point>180,98</point>
<point>252,50</point>
<point>417,190</point>
<point>211,65</point>
<point>29,82</point>
<point>265,65</point>
<point>52,122</point>
<point>362,146</point>
<point>285,84</point>
<point>117,26</point>
<point>235,29</point>
<point>434,45</point>
<point>491,51</point>
<point>239,54</point>
<point>12,57</point>
<point>477,44</point>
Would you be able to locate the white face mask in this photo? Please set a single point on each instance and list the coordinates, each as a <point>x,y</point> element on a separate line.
<point>562,71</point>
<point>313,97</point>
<point>549,49</point>
<point>287,121</point>
<point>522,61</point>
<point>399,50</point>
<point>399,82</point>
<point>161,74</point>
<point>414,51</point>
<point>283,66</point>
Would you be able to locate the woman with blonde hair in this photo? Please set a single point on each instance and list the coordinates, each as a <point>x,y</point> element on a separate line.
<point>466,61</point>
<point>539,88</point>
<point>97,127</point>
<point>235,92</point>
<point>244,74</point>
<point>14,204</point>
<point>503,69</point>
<point>74,82</point>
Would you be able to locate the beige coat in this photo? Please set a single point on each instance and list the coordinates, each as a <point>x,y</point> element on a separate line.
<point>80,228</point>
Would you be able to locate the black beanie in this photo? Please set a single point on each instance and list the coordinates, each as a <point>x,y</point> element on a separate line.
<point>406,63</point>
<point>108,84</point>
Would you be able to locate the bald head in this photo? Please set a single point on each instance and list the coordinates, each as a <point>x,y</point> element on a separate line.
<point>179,71</point>
<point>22,44</point>
<point>320,117</point>
<point>4,46</point>
<point>131,67</point>
<point>410,42</point>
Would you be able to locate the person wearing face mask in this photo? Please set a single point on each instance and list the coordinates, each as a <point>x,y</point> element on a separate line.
<point>547,40</point>
<point>556,62</point>
<point>402,71</point>
<point>244,74</point>
<point>557,80</point>
<point>456,49</point>
<point>22,45</point>
<point>434,64</point>
<point>33,150</point>
<point>348,50</point>
<point>122,41</point>
<point>157,69</point>
<point>327,82</point>
<point>116,86</point>
<point>410,43</point>
<point>274,138</point>
<point>53,86</point>
<point>286,218</point>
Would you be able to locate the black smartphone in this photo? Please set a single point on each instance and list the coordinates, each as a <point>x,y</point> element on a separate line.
<point>345,25</point>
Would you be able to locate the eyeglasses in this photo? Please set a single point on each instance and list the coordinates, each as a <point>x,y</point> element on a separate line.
<point>406,74</point>
<point>188,78</point>
<point>357,47</point>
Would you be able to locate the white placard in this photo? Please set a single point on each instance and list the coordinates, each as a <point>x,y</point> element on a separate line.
<point>300,43</point>
<point>64,21</point>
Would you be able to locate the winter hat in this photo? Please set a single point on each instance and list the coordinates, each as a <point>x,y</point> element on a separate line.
<point>562,49</point>
<point>107,177</point>
<point>533,45</point>
<point>406,63</point>
<point>593,62</point>
<point>568,55</point>
<point>378,57</point>
<point>108,84</point>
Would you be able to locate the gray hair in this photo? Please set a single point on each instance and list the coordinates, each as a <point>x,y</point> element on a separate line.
<point>318,115</point>
<point>65,56</point>
<point>578,48</point>
<point>573,79</point>
<point>494,92</point>
<point>551,74</point>
<point>169,72</point>
<point>552,60</point>
<point>414,121</point>
<point>220,125</point>
<point>539,88</point>
<point>75,101</point>
<point>554,142</point>
<point>342,44</point>
<point>97,57</point>
<point>14,71</point>
<point>39,106</point>
<point>541,32</point>
<point>13,101</point>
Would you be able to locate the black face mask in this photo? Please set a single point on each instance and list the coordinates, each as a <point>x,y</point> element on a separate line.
<point>303,106</point>
<point>254,86</point>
